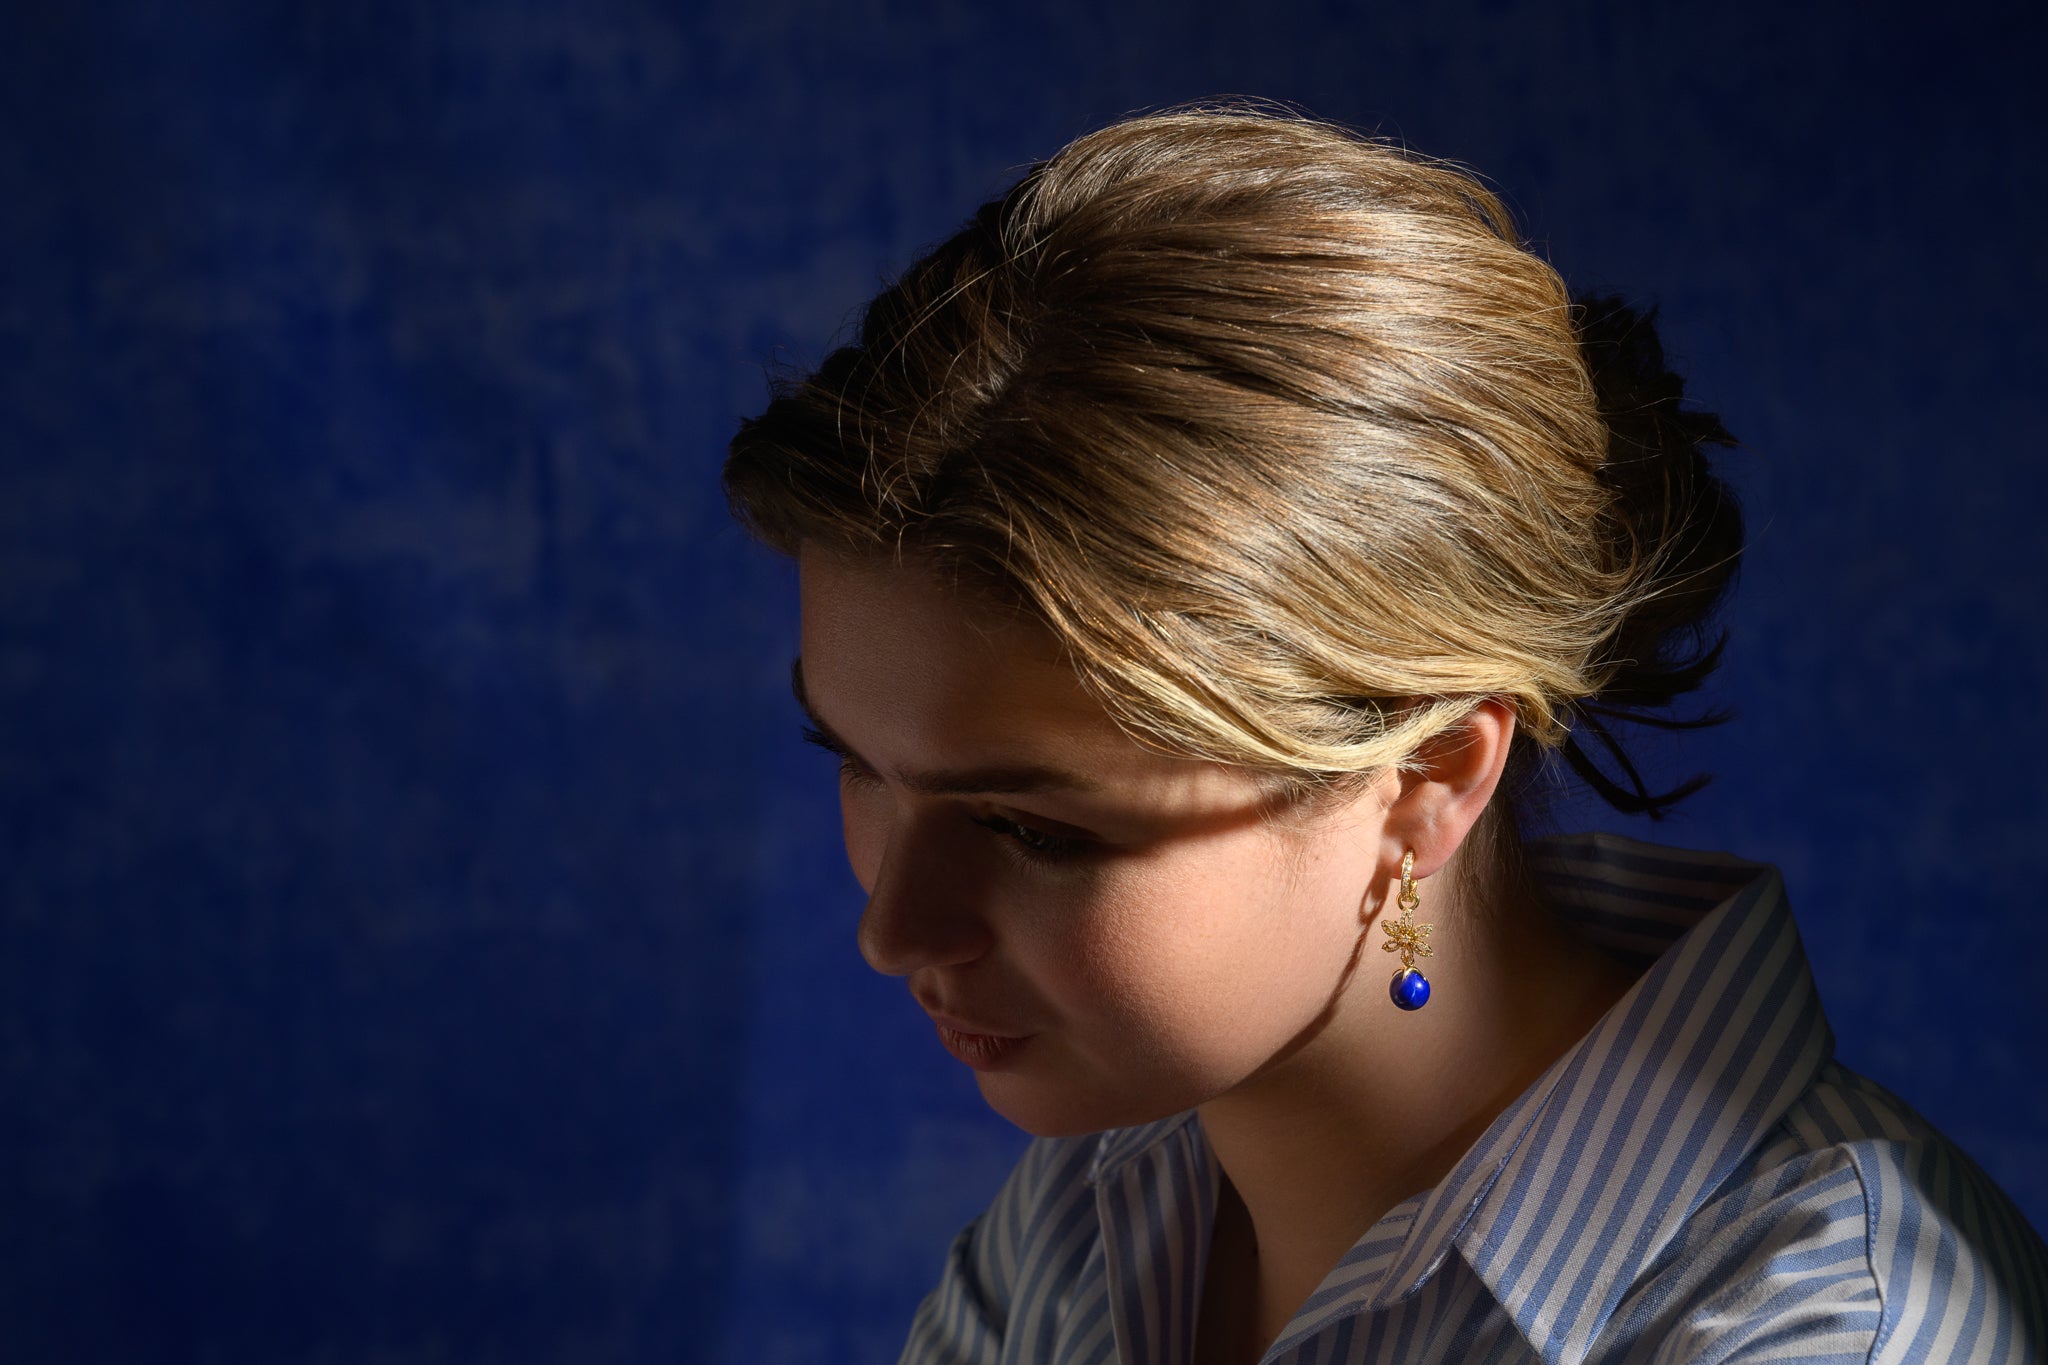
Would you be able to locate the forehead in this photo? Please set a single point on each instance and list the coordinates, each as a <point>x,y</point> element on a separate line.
<point>888,644</point>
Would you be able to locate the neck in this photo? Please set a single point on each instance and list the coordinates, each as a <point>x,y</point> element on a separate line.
<point>1379,1104</point>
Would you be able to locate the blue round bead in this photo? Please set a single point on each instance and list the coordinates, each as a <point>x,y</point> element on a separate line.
<point>1410,989</point>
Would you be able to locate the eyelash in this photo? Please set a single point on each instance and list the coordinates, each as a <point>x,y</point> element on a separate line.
<point>1033,845</point>
<point>1030,845</point>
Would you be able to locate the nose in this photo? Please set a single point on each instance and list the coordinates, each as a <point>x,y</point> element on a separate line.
<point>918,915</point>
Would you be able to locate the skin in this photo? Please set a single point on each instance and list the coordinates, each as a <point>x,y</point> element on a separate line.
<point>1186,950</point>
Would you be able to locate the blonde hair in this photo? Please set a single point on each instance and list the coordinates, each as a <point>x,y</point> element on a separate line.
<point>1280,431</point>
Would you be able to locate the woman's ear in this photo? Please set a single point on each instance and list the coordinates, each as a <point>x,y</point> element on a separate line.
<point>1442,799</point>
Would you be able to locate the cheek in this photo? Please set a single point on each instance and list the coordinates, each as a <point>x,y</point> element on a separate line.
<point>1212,961</point>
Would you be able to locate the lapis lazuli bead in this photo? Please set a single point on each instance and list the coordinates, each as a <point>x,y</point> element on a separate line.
<point>1410,989</point>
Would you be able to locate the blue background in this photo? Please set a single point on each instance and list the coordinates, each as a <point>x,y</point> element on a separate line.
<point>425,938</point>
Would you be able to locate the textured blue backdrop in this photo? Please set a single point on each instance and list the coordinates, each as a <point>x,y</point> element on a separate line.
<point>425,939</point>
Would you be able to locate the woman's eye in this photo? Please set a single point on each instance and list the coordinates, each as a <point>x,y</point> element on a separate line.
<point>1034,843</point>
<point>850,773</point>
<point>853,775</point>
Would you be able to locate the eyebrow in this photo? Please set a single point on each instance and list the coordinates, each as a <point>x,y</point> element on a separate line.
<point>1001,780</point>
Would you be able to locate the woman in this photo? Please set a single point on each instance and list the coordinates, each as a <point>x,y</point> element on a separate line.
<point>1201,555</point>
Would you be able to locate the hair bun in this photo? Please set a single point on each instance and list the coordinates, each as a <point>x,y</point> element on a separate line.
<point>1680,523</point>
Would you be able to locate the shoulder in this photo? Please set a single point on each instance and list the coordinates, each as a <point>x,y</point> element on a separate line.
<point>1854,1231</point>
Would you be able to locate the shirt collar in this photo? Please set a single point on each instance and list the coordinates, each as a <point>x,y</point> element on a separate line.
<point>1594,1168</point>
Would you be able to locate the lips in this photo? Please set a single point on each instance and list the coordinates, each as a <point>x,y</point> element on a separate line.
<point>982,1046</point>
<point>971,1029</point>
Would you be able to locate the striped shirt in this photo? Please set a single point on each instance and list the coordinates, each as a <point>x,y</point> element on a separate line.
<point>1695,1180</point>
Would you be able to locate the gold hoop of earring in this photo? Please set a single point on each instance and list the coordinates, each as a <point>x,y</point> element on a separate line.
<point>1409,988</point>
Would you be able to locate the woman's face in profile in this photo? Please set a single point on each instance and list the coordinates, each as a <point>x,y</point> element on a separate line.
<point>1126,921</point>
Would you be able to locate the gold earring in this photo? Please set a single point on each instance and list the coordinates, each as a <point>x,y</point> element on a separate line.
<point>1410,988</point>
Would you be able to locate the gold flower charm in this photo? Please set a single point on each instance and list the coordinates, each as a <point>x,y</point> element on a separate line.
<point>1406,937</point>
